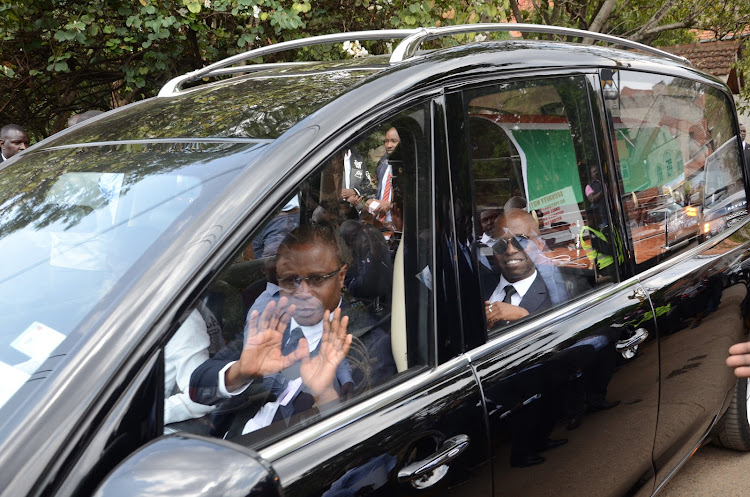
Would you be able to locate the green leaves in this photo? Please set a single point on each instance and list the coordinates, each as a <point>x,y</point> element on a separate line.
<point>102,54</point>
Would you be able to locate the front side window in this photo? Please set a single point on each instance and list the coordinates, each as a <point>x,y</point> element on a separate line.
<point>679,162</point>
<point>544,234</point>
<point>314,311</point>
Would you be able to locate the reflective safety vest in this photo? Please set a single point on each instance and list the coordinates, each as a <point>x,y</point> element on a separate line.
<point>601,259</point>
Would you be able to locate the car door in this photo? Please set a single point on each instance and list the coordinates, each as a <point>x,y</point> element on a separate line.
<point>424,430</point>
<point>420,427</point>
<point>572,388</point>
<point>680,154</point>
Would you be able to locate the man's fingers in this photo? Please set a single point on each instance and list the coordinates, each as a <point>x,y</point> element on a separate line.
<point>273,321</point>
<point>302,352</point>
<point>251,328</point>
<point>347,344</point>
<point>285,318</point>
<point>341,332</point>
<point>737,360</point>
<point>266,315</point>
<point>740,348</point>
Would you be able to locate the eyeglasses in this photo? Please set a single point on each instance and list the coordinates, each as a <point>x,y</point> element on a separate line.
<point>520,242</point>
<point>313,281</point>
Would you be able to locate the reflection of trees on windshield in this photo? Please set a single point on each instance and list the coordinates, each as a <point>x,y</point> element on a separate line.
<point>25,194</point>
<point>267,108</point>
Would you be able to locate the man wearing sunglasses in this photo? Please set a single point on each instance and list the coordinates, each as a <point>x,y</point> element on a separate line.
<point>520,289</point>
<point>295,349</point>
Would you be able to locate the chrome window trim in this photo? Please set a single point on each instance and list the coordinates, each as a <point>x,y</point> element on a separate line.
<point>501,340</point>
<point>156,141</point>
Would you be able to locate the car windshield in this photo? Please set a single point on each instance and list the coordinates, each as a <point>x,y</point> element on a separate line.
<point>73,223</point>
<point>269,106</point>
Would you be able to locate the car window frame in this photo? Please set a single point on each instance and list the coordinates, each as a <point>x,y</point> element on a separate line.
<point>243,234</point>
<point>601,148</point>
<point>631,267</point>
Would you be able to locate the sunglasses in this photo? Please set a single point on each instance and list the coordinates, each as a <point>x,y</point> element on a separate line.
<point>313,281</point>
<point>520,242</point>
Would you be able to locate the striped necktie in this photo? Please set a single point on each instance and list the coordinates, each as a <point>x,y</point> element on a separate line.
<point>386,193</point>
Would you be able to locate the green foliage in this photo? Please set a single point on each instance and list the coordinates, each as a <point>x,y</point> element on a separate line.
<point>64,57</point>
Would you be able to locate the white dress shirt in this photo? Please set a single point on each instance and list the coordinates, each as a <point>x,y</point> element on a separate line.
<point>521,286</point>
<point>347,167</point>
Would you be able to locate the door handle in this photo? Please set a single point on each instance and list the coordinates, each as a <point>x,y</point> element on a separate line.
<point>628,346</point>
<point>429,471</point>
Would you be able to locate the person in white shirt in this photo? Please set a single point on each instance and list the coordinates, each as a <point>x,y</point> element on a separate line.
<point>185,351</point>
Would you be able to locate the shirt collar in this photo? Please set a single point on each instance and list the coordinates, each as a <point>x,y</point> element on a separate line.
<point>521,286</point>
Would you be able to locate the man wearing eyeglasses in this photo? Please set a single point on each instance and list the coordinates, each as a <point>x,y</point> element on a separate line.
<point>522,289</point>
<point>295,349</point>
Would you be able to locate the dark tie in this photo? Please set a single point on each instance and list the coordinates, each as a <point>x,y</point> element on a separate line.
<point>291,341</point>
<point>509,291</point>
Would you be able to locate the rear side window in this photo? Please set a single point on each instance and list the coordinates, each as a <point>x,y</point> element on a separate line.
<point>543,222</point>
<point>678,157</point>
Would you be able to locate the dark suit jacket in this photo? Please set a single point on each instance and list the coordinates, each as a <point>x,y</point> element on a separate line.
<point>537,298</point>
<point>359,177</point>
<point>747,153</point>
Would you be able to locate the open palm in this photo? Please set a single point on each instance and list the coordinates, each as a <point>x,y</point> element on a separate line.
<point>319,372</point>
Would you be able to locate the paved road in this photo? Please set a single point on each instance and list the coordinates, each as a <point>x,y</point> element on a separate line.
<point>712,472</point>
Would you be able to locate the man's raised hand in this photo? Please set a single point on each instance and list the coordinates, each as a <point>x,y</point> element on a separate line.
<point>261,354</point>
<point>319,372</point>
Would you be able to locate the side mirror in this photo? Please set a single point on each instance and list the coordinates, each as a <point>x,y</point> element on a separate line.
<point>191,466</point>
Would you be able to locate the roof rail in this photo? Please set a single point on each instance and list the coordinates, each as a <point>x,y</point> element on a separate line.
<point>407,48</point>
<point>173,86</point>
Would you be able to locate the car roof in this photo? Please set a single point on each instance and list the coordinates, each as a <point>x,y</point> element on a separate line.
<point>266,103</point>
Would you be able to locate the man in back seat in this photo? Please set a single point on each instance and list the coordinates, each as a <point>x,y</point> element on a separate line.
<point>523,286</point>
<point>297,347</point>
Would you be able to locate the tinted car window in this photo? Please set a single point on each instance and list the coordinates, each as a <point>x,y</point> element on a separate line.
<point>330,252</point>
<point>73,233</point>
<point>679,162</point>
<point>540,200</point>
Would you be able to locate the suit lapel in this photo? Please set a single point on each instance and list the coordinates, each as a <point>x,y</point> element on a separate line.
<point>537,298</point>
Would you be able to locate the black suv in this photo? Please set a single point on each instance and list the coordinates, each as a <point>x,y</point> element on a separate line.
<point>504,267</point>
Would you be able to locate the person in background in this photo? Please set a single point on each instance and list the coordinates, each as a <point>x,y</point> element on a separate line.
<point>381,205</point>
<point>356,186</point>
<point>13,139</point>
<point>745,146</point>
<point>185,351</point>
